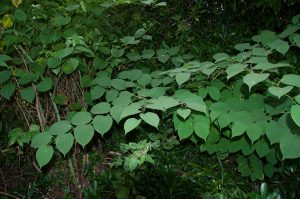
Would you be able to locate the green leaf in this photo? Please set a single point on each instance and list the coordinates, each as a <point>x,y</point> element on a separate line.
<point>84,134</point>
<point>111,95</point>
<point>61,20</point>
<point>63,53</point>
<point>163,57</point>
<point>70,66</point>
<point>280,46</point>
<point>148,53</point>
<point>97,92</point>
<point>133,56</point>
<point>81,118</point>
<point>60,127</point>
<point>20,15</point>
<point>150,118</point>
<point>220,57</point>
<point>182,78</point>
<point>254,78</point>
<point>118,84</point>
<point>102,124</point>
<point>4,76</point>
<point>131,75</point>
<point>214,93</point>
<point>162,103</point>
<point>117,53</point>
<point>185,129</point>
<point>132,109</point>
<point>132,165</point>
<point>116,112</point>
<point>64,143</point>
<point>131,124</point>
<point>291,79</point>
<point>275,131</point>
<point>201,126</point>
<point>279,92</point>
<point>184,113</point>
<point>257,60</point>
<point>289,146</point>
<point>28,94</point>
<point>99,63</point>
<point>41,139</point>
<point>8,90</point>
<point>242,47</point>
<point>101,108</point>
<point>124,99</point>
<point>43,155</point>
<point>295,113</point>
<point>238,128</point>
<point>235,69</point>
<point>254,131</point>
<point>262,148</point>
<point>27,78</point>
<point>144,80</point>
<point>270,66</point>
<point>45,85</point>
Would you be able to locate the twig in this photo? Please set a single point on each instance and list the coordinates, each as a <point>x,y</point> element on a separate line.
<point>9,195</point>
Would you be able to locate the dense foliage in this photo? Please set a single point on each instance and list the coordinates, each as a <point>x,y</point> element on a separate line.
<point>116,91</point>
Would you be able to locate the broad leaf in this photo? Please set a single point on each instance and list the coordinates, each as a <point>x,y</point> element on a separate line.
<point>60,127</point>
<point>132,109</point>
<point>280,46</point>
<point>150,118</point>
<point>184,113</point>
<point>116,112</point>
<point>45,85</point>
<point>64,143</point>
<point>8,90</point>
<point>41,139</point>
<point>4,76</point>
<point>201,126</point>
<point>291,79</point>
<point>234,69</point>
<point>254,78</point>
<point>97,92</point>
<point>254,131</point>
<point>279,92</point>
<point>185,129</point>
<point>289,146</point>
<point>81,118</point>
<point>295,113</point>
<point>84,134</point>
<point>117,53</point>
<point>43,155</point>
<point>28,94</point>
<point>131,124</point>
<point>182,78</point>
<point>101,108</point>
<point>70,66</point>
<point>102,124</point>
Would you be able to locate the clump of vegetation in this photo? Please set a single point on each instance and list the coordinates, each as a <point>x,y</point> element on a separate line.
<point>149,99</point>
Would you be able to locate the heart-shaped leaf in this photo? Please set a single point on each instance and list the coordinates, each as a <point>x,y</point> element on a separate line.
<point>44,155</point>
<point>254,78</point>
<point>295,113</point>
<point>150,118</point>
<point>84,134</point>
<point>102,124</point>
<point>182,78</point>
<point>184,113</point>
<point>131,124</point>
<point>279,92</point>
<point>64,143</point>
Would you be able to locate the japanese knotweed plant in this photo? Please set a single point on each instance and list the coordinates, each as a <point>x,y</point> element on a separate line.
<point>247,104</point>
